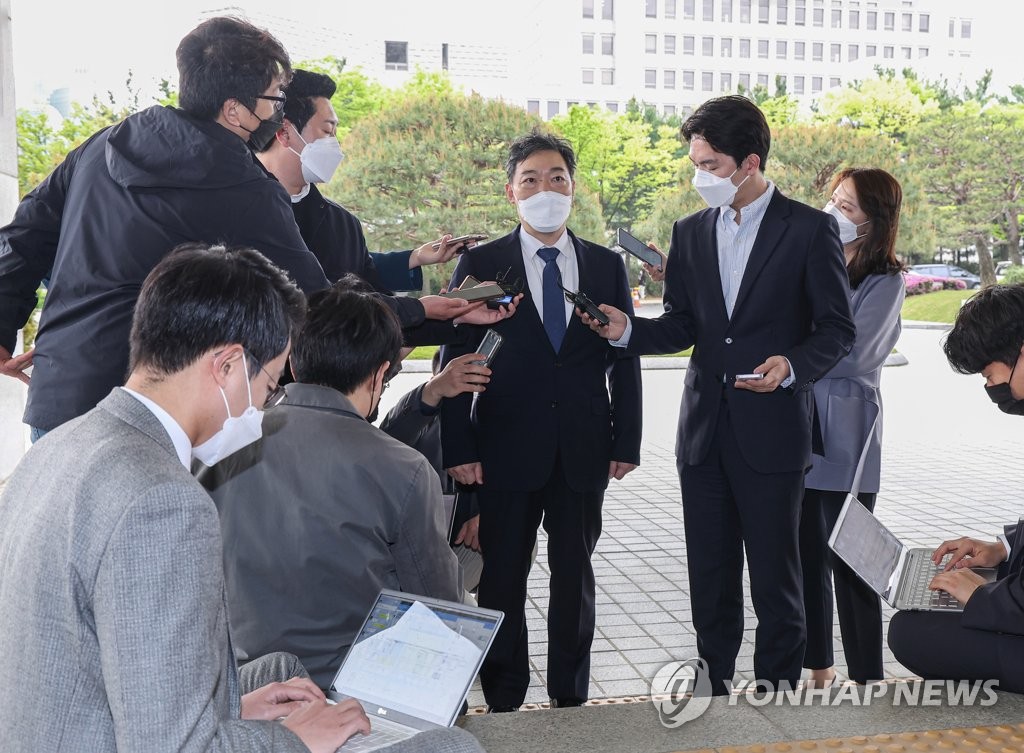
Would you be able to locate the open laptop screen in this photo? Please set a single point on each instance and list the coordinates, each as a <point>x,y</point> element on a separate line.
<point>416,657</point>
<point>868,547</point>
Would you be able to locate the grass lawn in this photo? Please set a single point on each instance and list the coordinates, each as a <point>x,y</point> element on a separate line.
<point>940,306</point>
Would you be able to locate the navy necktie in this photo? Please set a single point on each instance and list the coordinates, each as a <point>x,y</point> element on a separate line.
<point>554,308</point>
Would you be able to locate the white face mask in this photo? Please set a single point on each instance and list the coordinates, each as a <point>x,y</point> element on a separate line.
<point>546,211</point>
<point>847,227</point>
<point>716,192</point>
<point>319,158</point>
<point>236,433</point>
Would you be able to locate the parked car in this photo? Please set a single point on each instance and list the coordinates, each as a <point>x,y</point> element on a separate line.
<point>950,271</point>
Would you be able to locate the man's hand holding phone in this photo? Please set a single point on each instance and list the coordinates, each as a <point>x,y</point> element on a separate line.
<point>766,377</point>
<point>613,330</point>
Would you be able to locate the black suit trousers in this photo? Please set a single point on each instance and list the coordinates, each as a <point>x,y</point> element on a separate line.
<point>508,533</point>
<point>728,507</point>
<point>860,608</point>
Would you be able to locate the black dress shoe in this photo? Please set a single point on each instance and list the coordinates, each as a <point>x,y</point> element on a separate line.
<point>566,703</point>
<point>501,709</point>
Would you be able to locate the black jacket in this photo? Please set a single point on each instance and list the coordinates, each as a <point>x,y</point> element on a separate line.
<point>104,218</point>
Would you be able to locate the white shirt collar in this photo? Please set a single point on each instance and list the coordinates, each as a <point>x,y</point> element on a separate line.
<point>532,245</point>
<point>753,210</point>
<point>296,198</point>
<point>182,445</point>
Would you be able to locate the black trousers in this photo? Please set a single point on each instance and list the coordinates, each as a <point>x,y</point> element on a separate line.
<point>729,508</point>
<point>508,533</point>
<point>936,646</point>
<point>860,608</point>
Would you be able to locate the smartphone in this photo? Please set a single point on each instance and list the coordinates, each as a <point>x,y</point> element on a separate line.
<point>488,347</point>
<point>498,303</point>
<point>638,248</point>
<point>580,300</point>
<point>461,239</point>
<point>484,292</point>
<point>749,377</point>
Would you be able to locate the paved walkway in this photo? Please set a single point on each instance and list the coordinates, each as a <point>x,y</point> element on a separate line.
<point>952,465</point>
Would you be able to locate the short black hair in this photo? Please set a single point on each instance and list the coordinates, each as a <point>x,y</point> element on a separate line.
<point>538,141</point>
<point>989,327</point>
<point>348,335</point>
<point>201,297</point>
<point>304,87</point>
<point>731,125</point>
<point>225,58</point>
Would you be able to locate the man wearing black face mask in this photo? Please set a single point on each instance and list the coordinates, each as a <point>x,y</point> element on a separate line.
<point>986,640</point>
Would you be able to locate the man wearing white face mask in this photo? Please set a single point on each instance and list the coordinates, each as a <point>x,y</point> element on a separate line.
<point>560,417</point>
<point>304,152</point>
<point>757,284</point>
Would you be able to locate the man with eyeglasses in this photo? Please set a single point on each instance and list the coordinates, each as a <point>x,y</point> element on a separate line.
<point>328,499</point>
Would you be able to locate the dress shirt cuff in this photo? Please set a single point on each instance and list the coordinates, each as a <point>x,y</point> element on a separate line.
<point>623,342</point>
<point>1006,544</point>
<point>788,381</point>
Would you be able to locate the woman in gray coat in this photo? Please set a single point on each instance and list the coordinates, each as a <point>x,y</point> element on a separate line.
<point>866,203</point>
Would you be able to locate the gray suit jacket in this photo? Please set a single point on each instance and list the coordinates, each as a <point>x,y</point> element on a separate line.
<point>113,628</point>
<point>318,517</point>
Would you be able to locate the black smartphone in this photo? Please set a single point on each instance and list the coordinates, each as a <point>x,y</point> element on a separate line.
<point>639,249</point>
<point>580,300</point>
<point>488,347</point>
<point>461,239</point>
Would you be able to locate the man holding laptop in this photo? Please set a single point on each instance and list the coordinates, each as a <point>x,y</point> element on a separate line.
<point>986,640</point>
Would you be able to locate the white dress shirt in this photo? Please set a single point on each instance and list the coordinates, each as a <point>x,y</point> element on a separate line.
<point>567,266</point>
<point>179,438</point>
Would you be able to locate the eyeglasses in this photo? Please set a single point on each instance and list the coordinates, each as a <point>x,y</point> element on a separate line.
<point>278,101</point>
<point>277,393</point>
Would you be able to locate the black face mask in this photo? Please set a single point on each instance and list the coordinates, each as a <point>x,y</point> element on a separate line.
<point>1000,395</point>
<point>264,132</point>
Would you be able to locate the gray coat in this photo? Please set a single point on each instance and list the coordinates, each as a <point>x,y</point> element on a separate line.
<point>845,396</point>
<point>113,628</point>
<point>318,517</point>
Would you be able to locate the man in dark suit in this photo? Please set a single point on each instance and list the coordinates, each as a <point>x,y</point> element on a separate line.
<point>546,436</point>
<point>986,641</point>
<point>757,284</point>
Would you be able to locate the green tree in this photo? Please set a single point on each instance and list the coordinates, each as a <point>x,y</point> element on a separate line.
<point>40,149</point>
<point>356,96</point>
<point>886,105</point>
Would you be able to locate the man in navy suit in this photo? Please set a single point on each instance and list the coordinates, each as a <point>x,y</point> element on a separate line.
<point>560,417</point>
<point>757,284</point>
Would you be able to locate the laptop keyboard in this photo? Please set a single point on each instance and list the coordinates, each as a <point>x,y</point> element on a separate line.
<point>382,733</point>
<point>918,596</point>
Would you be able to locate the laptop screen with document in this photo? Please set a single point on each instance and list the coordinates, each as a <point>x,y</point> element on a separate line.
<point>868,547</point>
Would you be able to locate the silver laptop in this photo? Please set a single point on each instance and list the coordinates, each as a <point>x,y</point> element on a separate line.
<point>898,574</point>
<point>412,665</point>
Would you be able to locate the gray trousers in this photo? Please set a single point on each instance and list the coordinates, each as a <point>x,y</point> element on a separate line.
<point>280,666</point>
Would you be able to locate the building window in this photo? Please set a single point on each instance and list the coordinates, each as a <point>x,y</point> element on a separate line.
<point>670,44</point>
<point>588,75</point>
<point>798,84</point>
<point>870,51</point>
<point>396,56</point>
<point>922,52</point>
<point>817,51</point>
<point>588,44</point>
<point>669,77</point>
<point>854,19</point>
<point>444,56</point>
<point>607,44</point>
<point>852,52</point>
<point>952,28</point>
<point>835,53</point>
<point>726,47</point>
<point>688,80</point>
<point>780,49</point>
<point>707,81</point>
<point>965,29</point>
<point>816,85</point>
<point>553,108</point>
<point>819,17</point>
<point>612,106</point>
<point>650,42</point>
<point>800,13</point>
<point>669,111</point>
<point>707,46</point>
<point>744,11</point>
<point>744,84</point>
<point>922,23</point>
<point>834,82</point>
<point>907,22</point>
<point>762,80</point>
<point>872,20</point>
<point>890,21</point>
<point>762,48</point>
<point>687,45</point>
<point>727,10</point>
<point>799,49</point>
<point>588,12</point>
<point>744,48</point>
<point>689,11</point>
<point>726,82</point>
<point>670,9</point>
<point>533,106</point>
<point>652,8</point>
<point>906,52</point>
<point>837,18</point>
<point>608,10</point>
<point>782,12</point>
<point>608,76</point>
<point>709,10</point>
<point>887,52</point>
<point>762,11</point>
<point>650,78</point>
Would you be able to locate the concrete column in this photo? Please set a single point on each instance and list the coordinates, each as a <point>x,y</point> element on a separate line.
<point>13,433</point>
